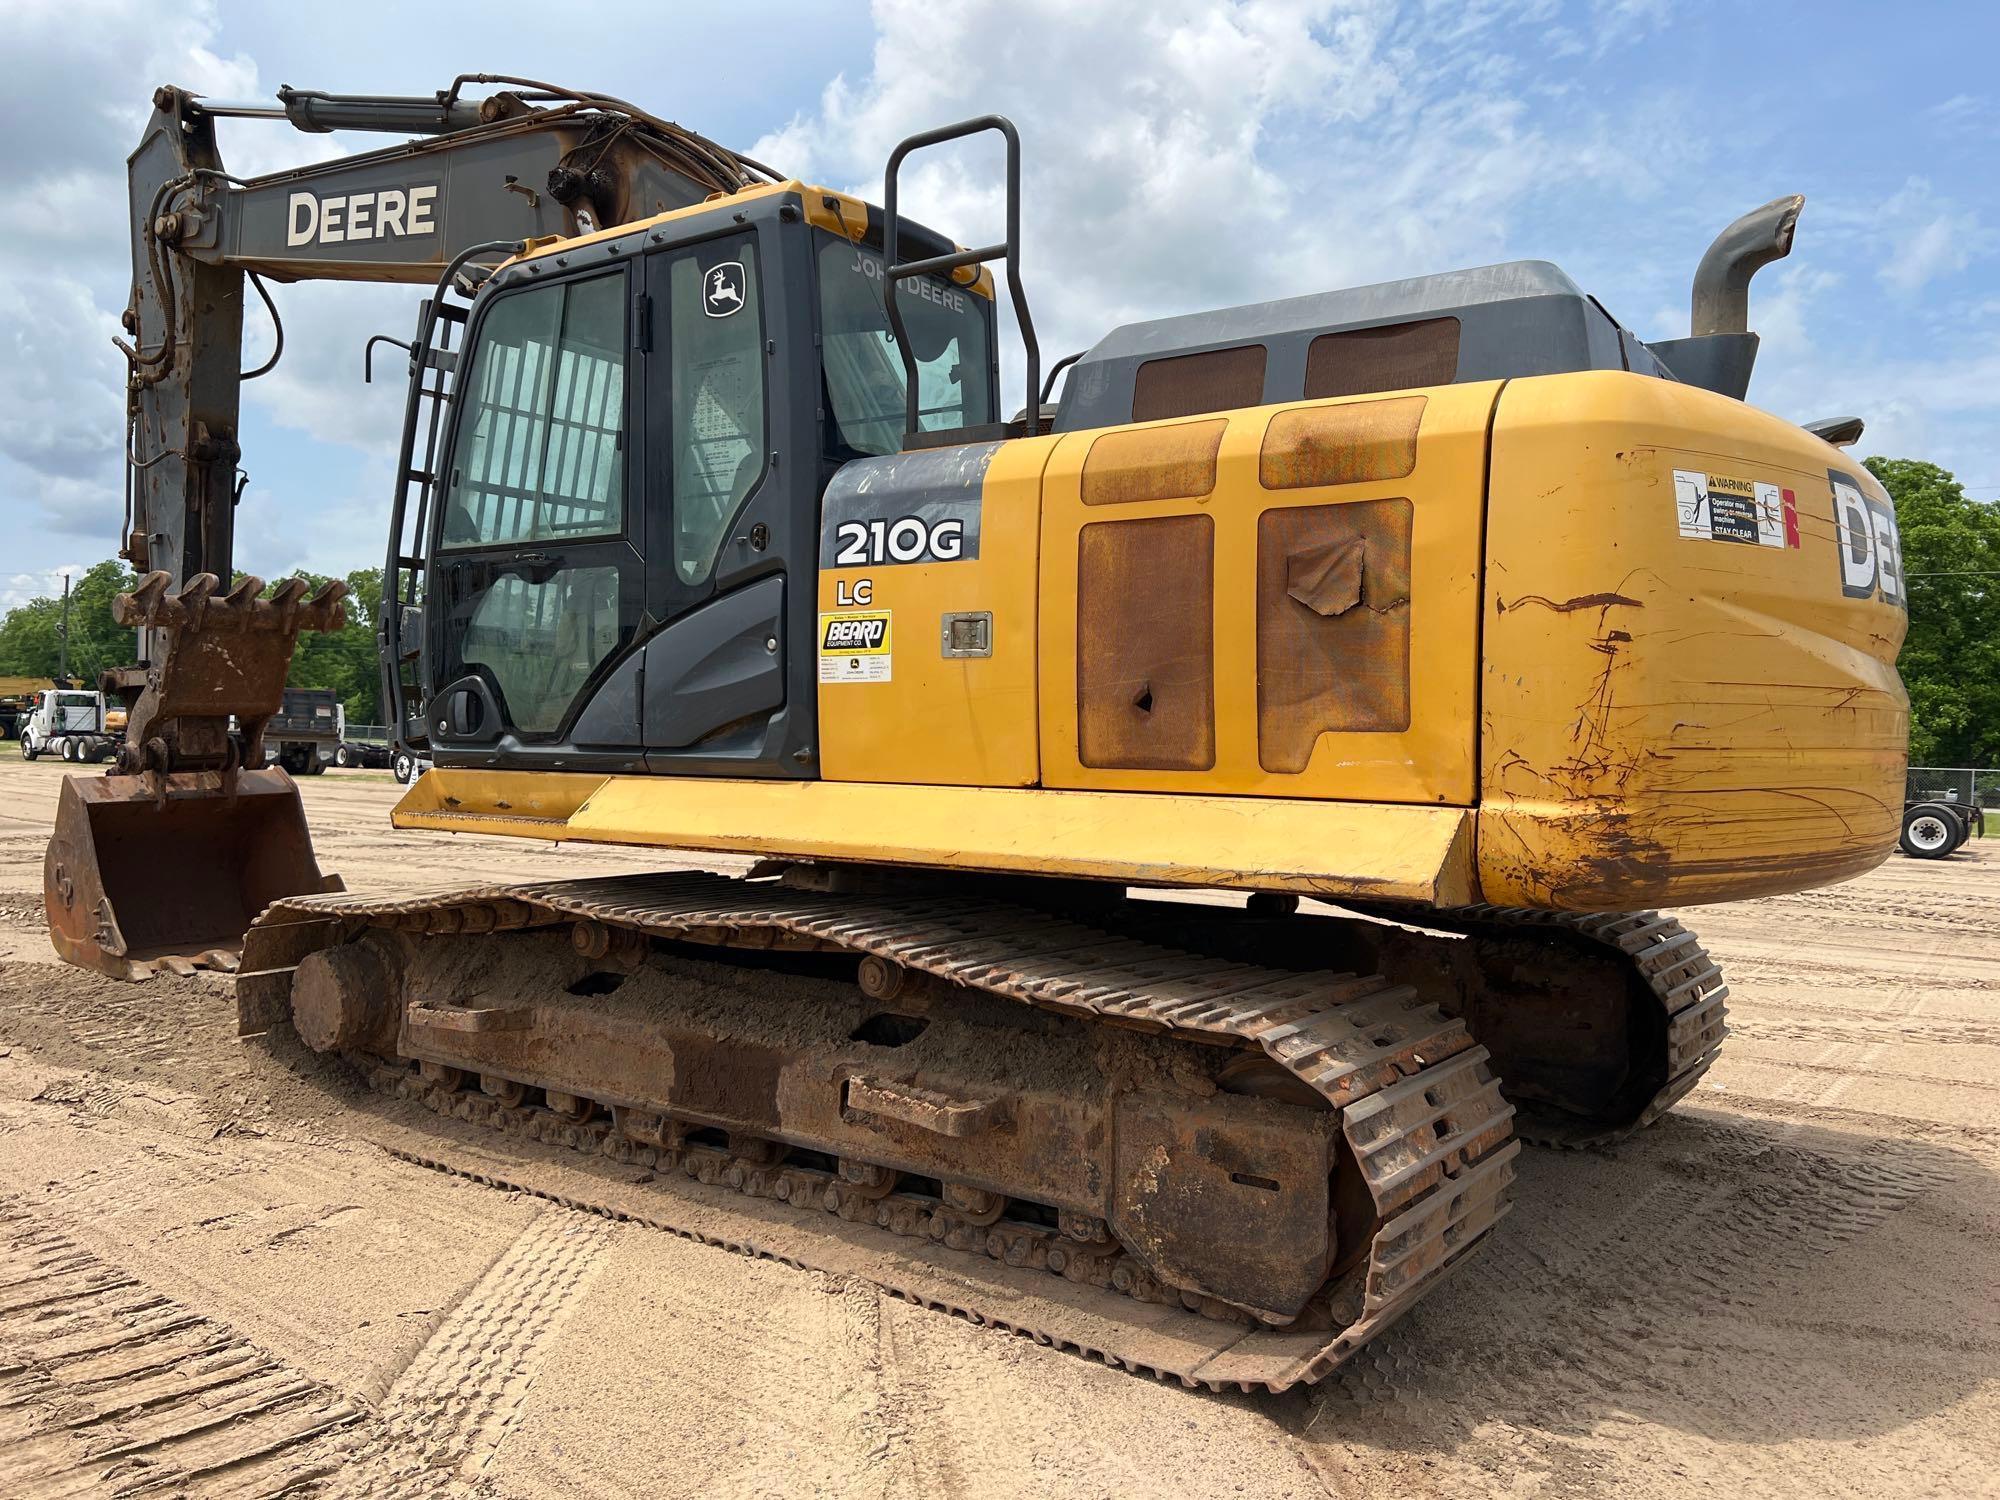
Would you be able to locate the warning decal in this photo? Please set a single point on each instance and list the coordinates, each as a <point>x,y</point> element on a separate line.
<point>855,647</point>
<point>1721,508</point>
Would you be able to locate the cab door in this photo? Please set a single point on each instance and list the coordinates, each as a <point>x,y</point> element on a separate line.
<point>726,513</point>
<point>538,577</point>
<point>616,538</point>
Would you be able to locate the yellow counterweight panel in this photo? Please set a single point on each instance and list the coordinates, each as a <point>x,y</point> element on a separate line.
<point>1174,651</point>
<point>1395,853</point>
<point>968,721</point>
<point>1673,717</point>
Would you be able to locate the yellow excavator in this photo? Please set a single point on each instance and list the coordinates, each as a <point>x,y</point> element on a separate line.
<point>1448,606</point>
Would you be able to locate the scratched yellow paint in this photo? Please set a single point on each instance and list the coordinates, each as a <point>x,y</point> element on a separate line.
<point>1669,719</point>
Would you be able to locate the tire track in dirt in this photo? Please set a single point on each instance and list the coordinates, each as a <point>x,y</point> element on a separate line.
<point>775,1381</point>
<point>1855,1028</point>
<point>110,1388</point>
<point>447,1414</point>
<point>1632,1274</point>
<point>1711,1226</point>
<point>1980,1140</point>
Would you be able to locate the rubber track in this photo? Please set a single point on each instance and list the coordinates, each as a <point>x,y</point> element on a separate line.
<point>1418,1105</point>
<point>1665,956</point>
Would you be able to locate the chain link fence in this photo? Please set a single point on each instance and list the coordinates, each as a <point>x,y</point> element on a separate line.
<point>1969,785</point>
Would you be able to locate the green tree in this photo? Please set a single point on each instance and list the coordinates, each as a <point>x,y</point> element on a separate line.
<point>345,660</point>
<point>30,644</point>
<point>1951,658</point>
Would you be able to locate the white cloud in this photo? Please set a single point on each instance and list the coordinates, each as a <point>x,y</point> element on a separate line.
<point>1928,236</point>
<point>1964,115</point>
<point>317,388</point>
<point>59,379</point>
<point>81,76</point>
<point>17,589</point>
<point>1620,22</point>
<point>1914,397</point>
<point>1182,155</point>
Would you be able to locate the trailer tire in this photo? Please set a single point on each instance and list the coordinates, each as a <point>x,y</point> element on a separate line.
<point>1931,830</point>
<point>403,766</point>
<point>1964,816</point>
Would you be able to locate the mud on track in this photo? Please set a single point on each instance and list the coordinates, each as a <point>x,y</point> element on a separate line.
<point>215,1276</point>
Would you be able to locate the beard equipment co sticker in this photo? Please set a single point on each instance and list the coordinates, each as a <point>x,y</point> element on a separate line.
<point>1721,508</point>
<point>855,647</point>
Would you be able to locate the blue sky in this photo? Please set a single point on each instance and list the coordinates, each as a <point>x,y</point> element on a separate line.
<point>1178,156</point>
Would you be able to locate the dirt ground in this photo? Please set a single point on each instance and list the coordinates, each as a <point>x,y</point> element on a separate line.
<point>217,1276</point>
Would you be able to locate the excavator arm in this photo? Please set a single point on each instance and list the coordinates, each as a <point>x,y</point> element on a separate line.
<point>169,857</point>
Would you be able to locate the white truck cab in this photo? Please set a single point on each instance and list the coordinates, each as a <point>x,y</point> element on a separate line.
<point>72,723</point>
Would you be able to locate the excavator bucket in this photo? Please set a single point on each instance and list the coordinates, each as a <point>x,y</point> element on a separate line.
<point>133,882</point>
<point>166,862</point>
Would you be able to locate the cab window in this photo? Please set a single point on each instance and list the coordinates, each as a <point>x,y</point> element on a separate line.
<point>717,383</point>
<point>949,333</point>
<point>541,448</point>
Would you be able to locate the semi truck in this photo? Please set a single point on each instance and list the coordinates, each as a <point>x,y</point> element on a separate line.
<point>72,723</point>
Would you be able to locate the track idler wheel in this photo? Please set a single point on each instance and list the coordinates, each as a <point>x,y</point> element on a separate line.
<point>345,999</point>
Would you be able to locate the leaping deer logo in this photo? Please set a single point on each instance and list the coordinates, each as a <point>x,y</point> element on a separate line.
<point>725,290</point>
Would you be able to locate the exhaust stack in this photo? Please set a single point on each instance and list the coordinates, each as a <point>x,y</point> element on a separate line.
<point>1720,350</point>
<point>1722,280</point>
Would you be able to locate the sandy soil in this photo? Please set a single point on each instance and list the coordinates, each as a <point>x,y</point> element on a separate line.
<point>216,1277</point>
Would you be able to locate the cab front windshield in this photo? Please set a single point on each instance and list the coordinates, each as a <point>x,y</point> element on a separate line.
<point>949,328</point>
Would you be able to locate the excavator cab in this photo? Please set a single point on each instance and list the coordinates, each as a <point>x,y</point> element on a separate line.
<point>607,548</point>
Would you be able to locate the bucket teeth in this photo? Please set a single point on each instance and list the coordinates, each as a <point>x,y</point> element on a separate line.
<point>198,606</point>
<point>142,604</point>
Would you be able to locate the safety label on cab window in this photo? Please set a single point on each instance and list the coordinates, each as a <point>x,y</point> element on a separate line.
<point>855,647</point>
<point>1721,508</point>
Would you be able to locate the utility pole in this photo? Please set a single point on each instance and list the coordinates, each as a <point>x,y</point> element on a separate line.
<point>62,637</point>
